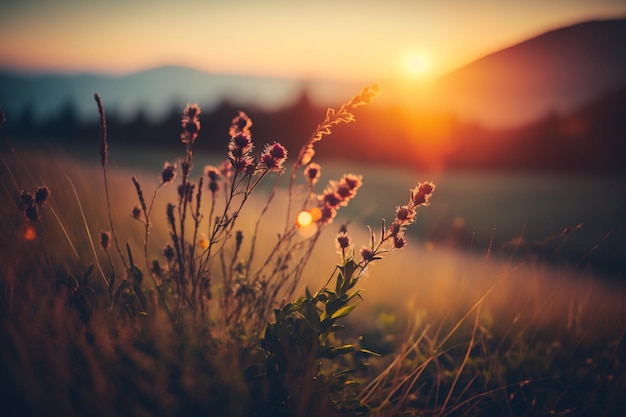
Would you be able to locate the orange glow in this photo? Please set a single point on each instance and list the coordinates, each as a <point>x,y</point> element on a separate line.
<point>29,232</point>
<point>304,219</point>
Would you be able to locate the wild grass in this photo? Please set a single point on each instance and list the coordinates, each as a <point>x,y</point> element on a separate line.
<point>158,294</point>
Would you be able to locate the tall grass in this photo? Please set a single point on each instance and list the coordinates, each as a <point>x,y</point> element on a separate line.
<point>222,291</point>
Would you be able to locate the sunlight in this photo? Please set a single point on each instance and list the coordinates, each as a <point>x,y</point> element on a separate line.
<point>29,232</point>
<point>304,219</point>
<point>416,64</point>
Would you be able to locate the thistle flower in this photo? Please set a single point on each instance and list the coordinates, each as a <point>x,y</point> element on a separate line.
<point>421,194</point>
<point>168,173</point>
<point>190,123</point>
<point>312,172</point>
<point>274,156</point>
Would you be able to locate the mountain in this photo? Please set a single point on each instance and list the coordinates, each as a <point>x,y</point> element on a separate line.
<point>557,71</point>
<point>153,92</point>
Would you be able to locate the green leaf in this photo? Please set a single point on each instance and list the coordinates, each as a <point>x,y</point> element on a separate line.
<point>343,311</point>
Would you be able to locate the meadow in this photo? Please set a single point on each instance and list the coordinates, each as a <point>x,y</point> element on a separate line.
<point>472,311</point>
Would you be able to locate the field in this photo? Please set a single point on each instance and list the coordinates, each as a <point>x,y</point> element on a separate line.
<point>490,309</point>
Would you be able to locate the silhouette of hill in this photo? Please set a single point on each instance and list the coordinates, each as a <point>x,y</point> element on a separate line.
<point>557,71</point>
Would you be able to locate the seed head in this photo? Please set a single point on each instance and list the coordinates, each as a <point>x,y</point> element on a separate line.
<point>399,241</point>
<point>240,124</point>
<point>421,194</point>
<point>136,213</point>
<point>105,240</point>
<point>367,254</point>
<point>343,241</point>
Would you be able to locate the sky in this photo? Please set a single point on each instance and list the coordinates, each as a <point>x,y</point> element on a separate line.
<point>362,40</point>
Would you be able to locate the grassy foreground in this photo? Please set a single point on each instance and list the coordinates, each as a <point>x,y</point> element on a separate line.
<point>163,295</point>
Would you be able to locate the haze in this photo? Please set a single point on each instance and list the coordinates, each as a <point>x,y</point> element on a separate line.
<point>341,40</point>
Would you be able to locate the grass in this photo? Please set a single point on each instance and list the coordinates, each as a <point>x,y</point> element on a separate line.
<point>282,319</point>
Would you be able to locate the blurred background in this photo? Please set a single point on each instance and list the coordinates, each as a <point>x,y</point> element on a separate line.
<point>516,110</point>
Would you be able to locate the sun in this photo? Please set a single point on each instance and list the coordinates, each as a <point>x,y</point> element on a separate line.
<point>415,64</point>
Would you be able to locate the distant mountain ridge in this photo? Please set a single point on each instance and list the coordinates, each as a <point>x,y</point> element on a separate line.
<point>153,92</point>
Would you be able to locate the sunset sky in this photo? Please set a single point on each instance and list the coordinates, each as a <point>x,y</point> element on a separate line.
<point>361,40</point>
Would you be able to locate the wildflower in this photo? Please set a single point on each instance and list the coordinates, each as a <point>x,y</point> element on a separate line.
<point>274,156</point>
<point>168,252</point>
<point>226,169</point>
<point>31,212</point>
<point>238,240</point>
<point>27,198</point>
<point>185,191</point>
<point>190,123</point>
<point>399,241</point>
<point>240,145</point>
<point>327,214</point>
<point>405,214</point>
<point>312,172</point>
<point>245,165</point>
<point>105,240</point>
<point>212,172</point>
<point>136,213</point>
<point>343,240</point>
<point>395,227</point>
<point>421,194</point>
<point>41,195</point>
<point>352,181</point>
<point>168,173</point>
<point>331,199</point>
<point>367,254</point>
<point>240,124</point>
